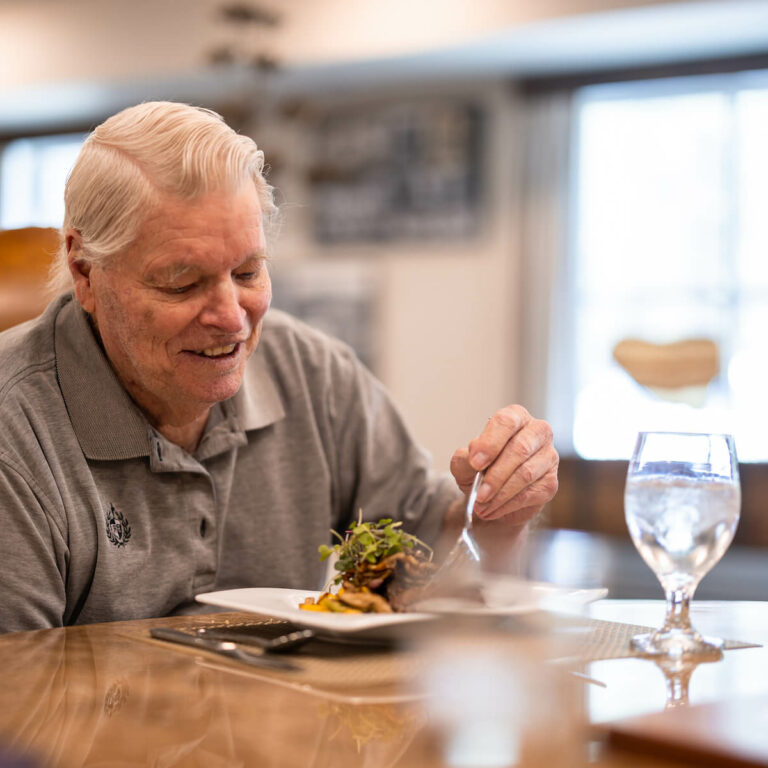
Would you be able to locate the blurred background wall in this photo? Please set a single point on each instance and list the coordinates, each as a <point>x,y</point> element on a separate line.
<point>424,157</point>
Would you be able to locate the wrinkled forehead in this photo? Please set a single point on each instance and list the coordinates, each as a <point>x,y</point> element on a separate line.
<point>217,227</point>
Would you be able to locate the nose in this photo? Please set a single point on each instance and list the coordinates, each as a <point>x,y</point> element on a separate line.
<point>223,309</point>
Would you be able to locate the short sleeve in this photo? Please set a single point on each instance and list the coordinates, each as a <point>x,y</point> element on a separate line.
<point>33,557</point>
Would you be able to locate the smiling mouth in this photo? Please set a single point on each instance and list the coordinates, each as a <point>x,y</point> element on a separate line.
<point>216,352</point>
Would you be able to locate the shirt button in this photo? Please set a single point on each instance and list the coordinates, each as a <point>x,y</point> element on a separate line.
<point>203,526</point>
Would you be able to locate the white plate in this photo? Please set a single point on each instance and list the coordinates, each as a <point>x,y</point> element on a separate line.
<point>504,597</point>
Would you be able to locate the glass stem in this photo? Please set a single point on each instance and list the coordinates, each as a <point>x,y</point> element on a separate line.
<point>678,609</point>
<point>677,688</point>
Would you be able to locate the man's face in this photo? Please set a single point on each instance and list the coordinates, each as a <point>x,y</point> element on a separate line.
<point>180,312</point>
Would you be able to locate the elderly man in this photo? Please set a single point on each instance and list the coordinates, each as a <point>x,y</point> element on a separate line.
<point>165,435</point>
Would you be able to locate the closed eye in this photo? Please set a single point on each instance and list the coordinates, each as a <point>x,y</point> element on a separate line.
<point>177,290</point>
<point>249,275</point>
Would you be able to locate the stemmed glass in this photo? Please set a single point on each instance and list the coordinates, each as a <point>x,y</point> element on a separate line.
<point>682,503</point>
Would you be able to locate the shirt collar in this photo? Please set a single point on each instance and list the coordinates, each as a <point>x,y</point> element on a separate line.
<point>107,422</point>
<point>257,403</point>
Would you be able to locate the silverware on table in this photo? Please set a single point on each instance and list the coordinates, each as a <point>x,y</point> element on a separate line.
<point>222,647</point>
<point>286,642</point>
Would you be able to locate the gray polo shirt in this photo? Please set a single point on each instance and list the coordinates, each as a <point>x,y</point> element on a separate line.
<point>102,518</point>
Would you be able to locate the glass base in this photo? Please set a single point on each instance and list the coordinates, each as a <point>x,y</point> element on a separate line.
<point>677,643</point>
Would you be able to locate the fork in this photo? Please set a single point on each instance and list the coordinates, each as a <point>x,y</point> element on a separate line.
<point>461,568</point>
<point>466,549</point>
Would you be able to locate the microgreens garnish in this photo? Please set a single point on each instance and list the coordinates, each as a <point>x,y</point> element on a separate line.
<point>369,543</point>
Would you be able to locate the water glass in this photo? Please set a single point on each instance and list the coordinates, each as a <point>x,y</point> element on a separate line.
<point>682,502</point>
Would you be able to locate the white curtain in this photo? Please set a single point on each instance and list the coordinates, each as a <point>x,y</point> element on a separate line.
<point>546,300</point>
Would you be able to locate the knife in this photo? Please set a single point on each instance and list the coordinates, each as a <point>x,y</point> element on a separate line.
<point>286,642</point>
<point>223,648</point>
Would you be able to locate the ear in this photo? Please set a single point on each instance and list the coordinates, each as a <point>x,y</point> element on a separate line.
<point>80,269</point>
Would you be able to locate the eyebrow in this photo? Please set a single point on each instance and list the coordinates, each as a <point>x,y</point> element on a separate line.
<point>169,274</point>
<point>173,272</point>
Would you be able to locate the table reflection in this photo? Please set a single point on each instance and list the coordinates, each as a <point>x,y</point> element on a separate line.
<point>677,676</point>
<point>70,699</point>
<point>461,695</point>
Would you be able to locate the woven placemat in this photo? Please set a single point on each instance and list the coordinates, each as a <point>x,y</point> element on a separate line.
<point>336,665</point>
<point>610,640</point>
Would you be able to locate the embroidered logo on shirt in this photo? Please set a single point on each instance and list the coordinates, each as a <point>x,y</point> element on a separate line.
<point>118,529</point>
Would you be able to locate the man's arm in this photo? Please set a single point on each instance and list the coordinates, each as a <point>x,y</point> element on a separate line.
<point>31,583</point>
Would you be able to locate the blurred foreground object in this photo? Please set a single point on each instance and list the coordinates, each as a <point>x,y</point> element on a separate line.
<point>25,257</point>
<point>495,699</point>
<point>679,371</point>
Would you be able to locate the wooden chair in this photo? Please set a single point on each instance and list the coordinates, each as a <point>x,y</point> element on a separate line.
<point>25,258</point>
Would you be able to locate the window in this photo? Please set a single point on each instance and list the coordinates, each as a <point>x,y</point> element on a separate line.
<point>32,176</point>
<point>671,243</point>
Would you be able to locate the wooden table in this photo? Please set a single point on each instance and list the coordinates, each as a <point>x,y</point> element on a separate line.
<point>110,695</point>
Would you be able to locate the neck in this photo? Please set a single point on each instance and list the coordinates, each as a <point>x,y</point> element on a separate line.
<point>186,435</point>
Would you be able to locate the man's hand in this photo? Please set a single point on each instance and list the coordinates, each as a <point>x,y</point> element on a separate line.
<point>520,462</point>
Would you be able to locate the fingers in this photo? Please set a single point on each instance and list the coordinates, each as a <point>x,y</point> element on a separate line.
<point>528,455</point>
<point>524,505</point>
<point>532,485</point>
<point>520,461</point>
<point>462,470</point>
<point>501,427</point>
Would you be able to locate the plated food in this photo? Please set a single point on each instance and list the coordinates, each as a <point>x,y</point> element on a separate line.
<point>381,569</point>
<point>385,582</point>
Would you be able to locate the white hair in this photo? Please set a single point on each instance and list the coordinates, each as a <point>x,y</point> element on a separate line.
<point>140,154</point>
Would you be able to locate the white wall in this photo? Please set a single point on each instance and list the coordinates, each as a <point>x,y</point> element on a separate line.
<point>75,40</point>
<point>447,340</point>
